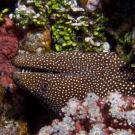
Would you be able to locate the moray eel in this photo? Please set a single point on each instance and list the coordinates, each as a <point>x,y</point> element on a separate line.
<point>73,74</point>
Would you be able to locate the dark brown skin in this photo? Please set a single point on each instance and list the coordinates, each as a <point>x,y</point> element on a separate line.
<point>77,75</point>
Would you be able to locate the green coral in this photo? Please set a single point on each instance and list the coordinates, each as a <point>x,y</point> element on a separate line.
<point>65,28</point>
<point>99,25</point>
<point>2,13</point>
<point>70,23</point>
<point>57,6</point>
<point>65,37</point>
<point>127,41</point>
<point>32,14</point>
<point>98,37</point>
<point>126,38</point>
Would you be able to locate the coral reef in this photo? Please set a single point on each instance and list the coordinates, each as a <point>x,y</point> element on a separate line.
<point>97,41</point>
<point>64,37</point>
<point>36,41</point>
<point>71,27</point>
<point>84,25</point>
<point>3,12</point>
<point>126,48</point>
<point>112,115</point>
<point>12,120</point>
<point>8,40</point>
<point>77,32</point>
<point>121,24</point>
<point>30,13</point>
<point>79,25</point>
<point>65,26</point>
<point>2,96</point>
<point>8,49</point>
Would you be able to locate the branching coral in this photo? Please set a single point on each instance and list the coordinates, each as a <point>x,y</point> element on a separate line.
<point>113,114</point>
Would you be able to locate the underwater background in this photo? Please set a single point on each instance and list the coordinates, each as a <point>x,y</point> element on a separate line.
<point>74,37</point>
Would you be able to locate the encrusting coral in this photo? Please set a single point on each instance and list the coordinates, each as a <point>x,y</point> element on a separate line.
<point>9,39</point>
<point>36,41</point>
<point>11,113</point>
<point>112,115</point>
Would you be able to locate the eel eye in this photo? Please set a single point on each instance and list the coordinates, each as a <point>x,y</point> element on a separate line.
<point>44,86</point>
<point>16,79</point>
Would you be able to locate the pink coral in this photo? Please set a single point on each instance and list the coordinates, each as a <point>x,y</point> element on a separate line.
<point>9,38</point>
<point>112,115</point>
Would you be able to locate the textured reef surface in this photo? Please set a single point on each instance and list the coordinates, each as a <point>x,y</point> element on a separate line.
<point>35,41</point>
<point>73,74</point>
<point>8,49</point>
<point>112,115</point>
<point>12,119</point>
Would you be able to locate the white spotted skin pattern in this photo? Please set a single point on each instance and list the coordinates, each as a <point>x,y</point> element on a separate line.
<point>60,87</point>
<point>79,74</point>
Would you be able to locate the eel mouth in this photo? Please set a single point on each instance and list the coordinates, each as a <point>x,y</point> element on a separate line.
<point>36,70</point>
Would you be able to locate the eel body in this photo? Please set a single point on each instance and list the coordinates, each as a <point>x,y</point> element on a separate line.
<point>73,74</point>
